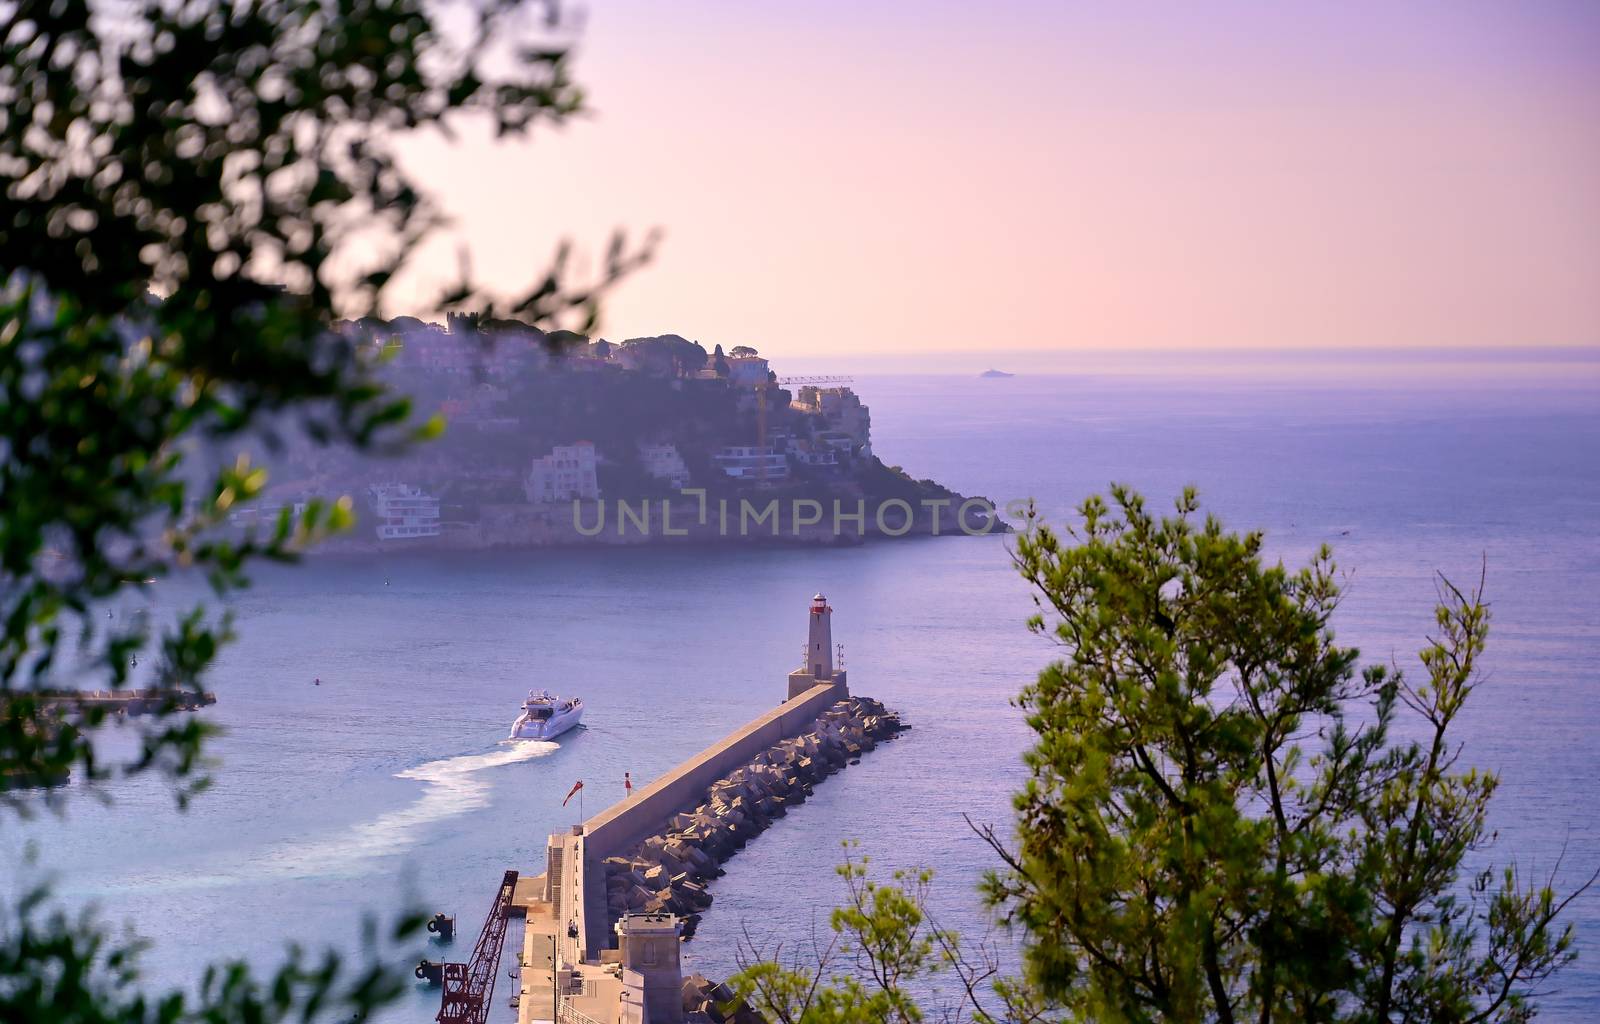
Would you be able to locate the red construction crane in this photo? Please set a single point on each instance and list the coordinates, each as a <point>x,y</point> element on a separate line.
<point>761,429</point>
<point>469,987</point>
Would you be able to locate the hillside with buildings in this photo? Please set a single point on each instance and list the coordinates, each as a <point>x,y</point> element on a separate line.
<point>557,439</point>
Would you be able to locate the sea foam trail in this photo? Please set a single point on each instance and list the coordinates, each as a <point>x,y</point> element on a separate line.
<point>452,786</point>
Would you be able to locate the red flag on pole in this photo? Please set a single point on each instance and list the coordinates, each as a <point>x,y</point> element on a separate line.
<point>573,792</point>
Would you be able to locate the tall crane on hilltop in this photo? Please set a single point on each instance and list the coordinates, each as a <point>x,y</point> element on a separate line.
<point>469,987</point>
<point>761,410</point>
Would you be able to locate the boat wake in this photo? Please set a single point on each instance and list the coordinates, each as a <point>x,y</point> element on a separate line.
<point>455,772</point>
<point>451,786</point>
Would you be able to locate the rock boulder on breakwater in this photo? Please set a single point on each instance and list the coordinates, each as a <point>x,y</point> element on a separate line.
<point>669,870</point>
<point>704,999</point>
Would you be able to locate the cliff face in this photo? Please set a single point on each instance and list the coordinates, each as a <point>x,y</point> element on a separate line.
<point>655,439</point>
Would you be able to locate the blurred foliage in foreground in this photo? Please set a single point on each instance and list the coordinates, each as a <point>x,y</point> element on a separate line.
<point>193,192</point>
<point>1223,821</point>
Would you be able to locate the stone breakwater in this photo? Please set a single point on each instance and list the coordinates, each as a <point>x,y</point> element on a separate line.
<point>127,702</point>
<point>670,869</point>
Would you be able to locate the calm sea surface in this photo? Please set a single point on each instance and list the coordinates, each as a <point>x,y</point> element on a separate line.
<point>386,785</point>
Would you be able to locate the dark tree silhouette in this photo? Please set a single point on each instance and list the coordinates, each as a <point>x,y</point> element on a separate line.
<point>191,194</point>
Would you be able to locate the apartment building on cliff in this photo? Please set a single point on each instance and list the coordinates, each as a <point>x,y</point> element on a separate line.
<point>748,371</point>
<point>842,410</point>
<point>750,462</point>
<point>568,472</point>
<point>665,462</point>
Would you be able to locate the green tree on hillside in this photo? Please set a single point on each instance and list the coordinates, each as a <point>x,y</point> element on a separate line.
<point>190,196</point>
<point>1222,823</point>
<point>667,355</point>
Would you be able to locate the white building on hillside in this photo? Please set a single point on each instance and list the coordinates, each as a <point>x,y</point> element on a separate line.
<point>664,462</point>
<point>402,512</point>
<point>808,453</point>
<point>843,411</point>
<point>266,514</point>
<point>568,472</point>
<point>745,462</point>
<point>747,371</point>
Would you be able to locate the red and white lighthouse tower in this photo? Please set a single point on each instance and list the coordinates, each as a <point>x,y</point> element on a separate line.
<point>819,647</point>
<point>816,667</point>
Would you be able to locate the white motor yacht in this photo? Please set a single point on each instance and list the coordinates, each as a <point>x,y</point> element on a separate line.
<point>546,716</point>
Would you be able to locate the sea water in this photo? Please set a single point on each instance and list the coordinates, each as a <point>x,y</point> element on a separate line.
<point>389,785</point>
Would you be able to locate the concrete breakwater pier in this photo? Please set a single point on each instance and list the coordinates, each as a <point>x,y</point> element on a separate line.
<point>603,923</point>
<point>66,704</point>
<point>126,702</point>
<point>668,871</point>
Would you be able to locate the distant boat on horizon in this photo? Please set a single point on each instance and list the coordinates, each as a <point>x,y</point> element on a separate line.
<point>996,373</point>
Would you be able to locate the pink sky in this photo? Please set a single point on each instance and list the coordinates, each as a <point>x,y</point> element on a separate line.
<point>851,177</point>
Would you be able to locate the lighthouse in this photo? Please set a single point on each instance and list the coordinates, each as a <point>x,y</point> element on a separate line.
<point>819,647</point>
<point>816,667</point>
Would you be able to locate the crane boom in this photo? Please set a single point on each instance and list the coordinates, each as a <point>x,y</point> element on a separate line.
<point>469,987</point>
<point>816,380</point>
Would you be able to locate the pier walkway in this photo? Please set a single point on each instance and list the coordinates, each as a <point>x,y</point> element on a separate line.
<point>603,923</point>
<point>128,702</point>
<point>566,906</point>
